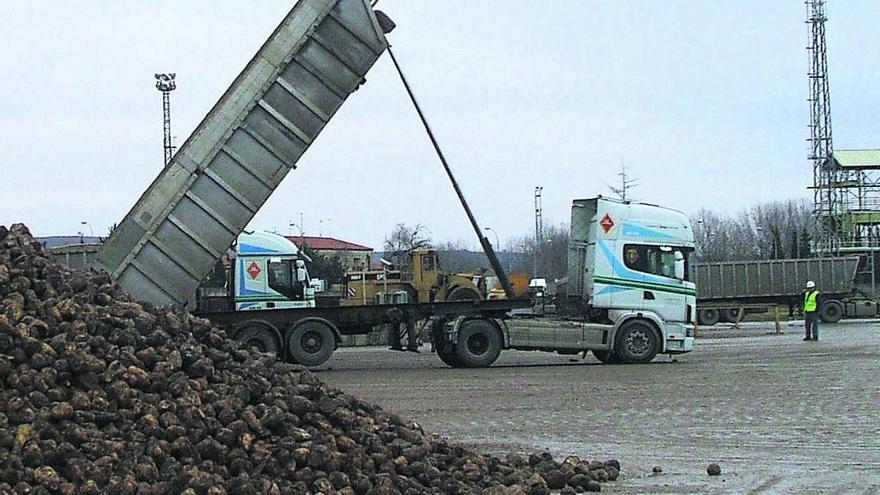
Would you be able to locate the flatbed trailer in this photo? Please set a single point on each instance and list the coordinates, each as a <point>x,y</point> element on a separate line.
<point>308,336</point>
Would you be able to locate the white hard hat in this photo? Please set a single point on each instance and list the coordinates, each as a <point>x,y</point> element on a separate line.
<point>811,284</point>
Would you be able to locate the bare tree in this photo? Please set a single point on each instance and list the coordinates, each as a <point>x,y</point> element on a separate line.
<point>403,239</point>
<point>547,259</point>
<point>773,230</point>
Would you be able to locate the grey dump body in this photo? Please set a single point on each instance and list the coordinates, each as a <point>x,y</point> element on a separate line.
<point>243,148</point>
<point>745,280</point>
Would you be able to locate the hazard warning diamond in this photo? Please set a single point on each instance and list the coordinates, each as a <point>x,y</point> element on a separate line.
<point>254,269</point>
<point>607,223</point>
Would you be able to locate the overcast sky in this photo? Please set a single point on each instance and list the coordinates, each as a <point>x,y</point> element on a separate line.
<point>705,101</point>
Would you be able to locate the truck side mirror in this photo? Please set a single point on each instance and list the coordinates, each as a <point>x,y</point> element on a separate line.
<point>679,265</point>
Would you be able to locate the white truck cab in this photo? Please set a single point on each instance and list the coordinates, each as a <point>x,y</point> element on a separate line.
<point>626,297</point>
<point>270,273</point>
<point>632,260</point>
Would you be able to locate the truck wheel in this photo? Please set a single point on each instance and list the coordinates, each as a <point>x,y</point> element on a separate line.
<point>636,342</point>
<point>448,356</point>
<point>260,337</point>
<point>310,342</point>
<point>606,357</point>
<point>479,344</point>
<point>708,317</point>
<point>464,294</point>
<point>831,311</point>
<point>729,314</point>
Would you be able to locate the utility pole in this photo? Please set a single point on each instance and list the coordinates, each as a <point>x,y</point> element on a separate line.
<point>165,83</point>
<point>539,215</point>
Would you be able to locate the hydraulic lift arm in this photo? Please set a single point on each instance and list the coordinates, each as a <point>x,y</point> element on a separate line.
<point>484,241</point>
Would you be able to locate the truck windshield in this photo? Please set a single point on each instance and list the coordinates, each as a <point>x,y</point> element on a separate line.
<point>656,260</point>
<point>282,279</point>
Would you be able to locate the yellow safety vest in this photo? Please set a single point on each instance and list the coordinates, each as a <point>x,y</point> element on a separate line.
<point>810,301</point>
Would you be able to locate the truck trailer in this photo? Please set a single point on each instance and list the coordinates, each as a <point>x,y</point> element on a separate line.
<point>242,150</point>
<point>726,288</point>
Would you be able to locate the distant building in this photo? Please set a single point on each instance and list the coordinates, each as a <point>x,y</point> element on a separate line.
<point>350,255</point>
<point>54,241</point>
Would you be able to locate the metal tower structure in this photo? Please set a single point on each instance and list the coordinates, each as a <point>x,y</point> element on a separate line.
<point>166,84</point>
<point>826,196</point>
<point>846,183</point>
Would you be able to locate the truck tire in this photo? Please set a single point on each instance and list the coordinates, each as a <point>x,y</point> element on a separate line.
<point>447,355</point>
<point>464,294</point>
<point>310,342</point>
<point>636,342</point>
<point>260,336</point>
<point>831,311</point>
<point>479,344</point>
<point>708,317</point>
<point>729,314</point>
<point>606,357</point>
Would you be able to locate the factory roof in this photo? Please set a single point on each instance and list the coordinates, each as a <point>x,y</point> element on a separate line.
<point>327,243</point>
<point>858,159</point>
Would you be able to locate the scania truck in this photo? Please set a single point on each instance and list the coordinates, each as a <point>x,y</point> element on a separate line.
<point>627,296</point>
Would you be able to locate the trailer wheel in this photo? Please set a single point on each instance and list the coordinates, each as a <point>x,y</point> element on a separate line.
<point>606,357</point>
<point>729,314</point>
<point>708,317</point>
<point>259,336</point>
<point>831,311</point>
<point>479,344</point>
<point>636,342</point>
<point>310,342</point>
<point>447,355</point>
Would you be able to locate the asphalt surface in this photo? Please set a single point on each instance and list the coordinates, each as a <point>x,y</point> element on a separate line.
<point>778,414</point>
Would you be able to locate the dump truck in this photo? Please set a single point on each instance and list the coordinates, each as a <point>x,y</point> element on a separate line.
<point>726,288</point>
<point>192,213</point>
<point>254,135</point>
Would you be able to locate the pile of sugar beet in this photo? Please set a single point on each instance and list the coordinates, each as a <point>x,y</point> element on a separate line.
<point>103,395</point>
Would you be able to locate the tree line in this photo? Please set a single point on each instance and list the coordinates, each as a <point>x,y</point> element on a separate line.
<point>771,230</point>
<point>774,230</point>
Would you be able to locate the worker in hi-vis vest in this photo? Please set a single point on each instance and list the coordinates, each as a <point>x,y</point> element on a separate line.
<point>811,313</point>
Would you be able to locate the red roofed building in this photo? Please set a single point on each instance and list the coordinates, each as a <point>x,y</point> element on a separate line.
<point>350,255</point>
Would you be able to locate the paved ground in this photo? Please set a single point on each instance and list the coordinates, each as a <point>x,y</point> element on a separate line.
<point>778,414</point>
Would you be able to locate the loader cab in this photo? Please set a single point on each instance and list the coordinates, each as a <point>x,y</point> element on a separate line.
<point>424,266</point>
<point>424,272</point>
<point>270,273</point>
